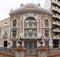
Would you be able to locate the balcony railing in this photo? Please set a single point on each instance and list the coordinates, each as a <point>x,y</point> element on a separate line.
<point>12,27</point>
<point>58,3</point>
<point>54,16</point>
<point>31,52</point>
<point>30,25</point>
<point>56,37</point>
<point>54,50</point>
<point>14,37</point>
<point>56,23</point>
<point>53,8</point>
<point>4,49</point>
<point>5,35</point>
<point>56,30</point>
<point>53,1</point>
<point>33,35</point>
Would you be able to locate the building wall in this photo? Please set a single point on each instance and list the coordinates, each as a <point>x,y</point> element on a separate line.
<point>40,25</point>
<point>5,28</point>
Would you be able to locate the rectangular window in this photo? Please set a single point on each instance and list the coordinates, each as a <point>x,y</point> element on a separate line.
<point>14,32</point>
<point>47,43</point>
<point>14,44</point>
<point>46,33</point>
<point>5,43</point>
<point>55,43</point>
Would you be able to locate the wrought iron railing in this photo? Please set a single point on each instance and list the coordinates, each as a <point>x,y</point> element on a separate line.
<point>54,50</point>
<point>4,49</point>
<point>31,52</point>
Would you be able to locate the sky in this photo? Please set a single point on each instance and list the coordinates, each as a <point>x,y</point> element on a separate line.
<point>7,5</point>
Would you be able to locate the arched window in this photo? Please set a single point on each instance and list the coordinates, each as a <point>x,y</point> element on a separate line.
<point>30,27</point>
<point>14,23</point>
<point>46,23</point>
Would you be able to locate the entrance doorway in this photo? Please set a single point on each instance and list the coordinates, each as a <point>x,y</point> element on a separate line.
<point>5,43</point>
<point>30,46</point>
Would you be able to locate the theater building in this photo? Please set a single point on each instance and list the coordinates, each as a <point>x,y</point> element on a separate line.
<point>31,22</point>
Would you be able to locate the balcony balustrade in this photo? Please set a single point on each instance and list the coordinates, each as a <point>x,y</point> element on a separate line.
<point>58,3</point>
<point>53,8</point>
<point>54,16</point>
<point>56,30</point>
<point>31,36</point>
<point>53,1</point>
<point>31,51</point>
<point>56,23</point>
<point>56,37</point>
<point>13,27</point>
<point>53,50</point>
<point>58,16</point>
<point>5,35</point>
<point>14,37</point>
<point>4,49</point>
<point>30,25</point>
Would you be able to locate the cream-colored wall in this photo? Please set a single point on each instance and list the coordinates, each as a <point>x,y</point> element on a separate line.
<point>3,29</point>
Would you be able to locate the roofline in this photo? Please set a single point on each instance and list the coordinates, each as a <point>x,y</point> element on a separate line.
<point>5,19</point>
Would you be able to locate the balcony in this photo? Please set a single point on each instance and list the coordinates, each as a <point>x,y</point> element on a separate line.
<point>31,52</point>
<point>56,23</point>
<point>53,50</point>
<point>54,8</point>
<point>4,49</point>
<point>5,35</point>
<point>27,27</point>
<point>58,9</point>
<point>30,36</point>
<point>54,16</point>
<point>58,16</point>
<point>14,27</point>
<point>58,3</point>
<point>30,25</point>
<point>56,30</point>
<point>53,1</point>
<point>14,37</point>
<point>56,37</point>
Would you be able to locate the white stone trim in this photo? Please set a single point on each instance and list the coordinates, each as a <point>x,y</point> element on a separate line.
<point>25,16</point>
<point>13,20</point>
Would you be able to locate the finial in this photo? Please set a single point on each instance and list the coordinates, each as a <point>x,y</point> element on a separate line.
<point>20,41</point>
<point>21,4</point>
<point>41,42</point>
<point>11,10</point>
<point>38,4</point>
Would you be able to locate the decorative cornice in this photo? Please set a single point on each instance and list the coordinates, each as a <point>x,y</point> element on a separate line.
<point>30,8</point>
